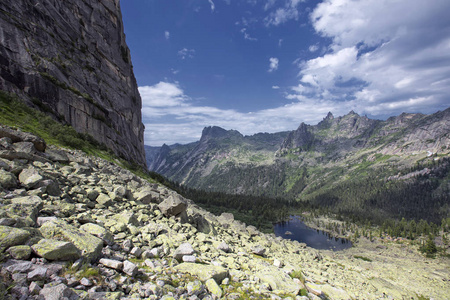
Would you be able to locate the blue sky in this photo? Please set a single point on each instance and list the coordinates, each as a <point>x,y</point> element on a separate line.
<point>268,65</point>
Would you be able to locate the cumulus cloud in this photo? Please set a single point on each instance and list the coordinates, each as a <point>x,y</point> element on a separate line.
<point>273,66</point>
<point>380,65</point>
<point>167,35</point>
<point>275,87</point>
<point>170,116</point>
<point>186,53</point>
<point>313,48</point>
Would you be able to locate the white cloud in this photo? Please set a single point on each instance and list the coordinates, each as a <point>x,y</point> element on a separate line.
<point>280,41</point>
<point>186,53</point>
<point>381,65</point>
<point>289,11</point>
<point>213,7</point>
<point>247,36</point>
<point>167,35</point>
<point>313,48</point>
<point>275,87</point>
<point>162,94</point>
<point>170,115</point>
<point>273,64</point>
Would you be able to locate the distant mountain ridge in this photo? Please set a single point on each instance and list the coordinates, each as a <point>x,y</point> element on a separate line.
<point>314,162</point>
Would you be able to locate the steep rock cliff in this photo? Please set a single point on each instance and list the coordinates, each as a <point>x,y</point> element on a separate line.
<point>70,59</point>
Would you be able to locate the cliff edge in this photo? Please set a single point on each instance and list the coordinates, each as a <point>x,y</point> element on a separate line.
<point>70,59</point>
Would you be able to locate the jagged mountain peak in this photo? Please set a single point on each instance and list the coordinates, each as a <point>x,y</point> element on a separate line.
<point>215,132</point>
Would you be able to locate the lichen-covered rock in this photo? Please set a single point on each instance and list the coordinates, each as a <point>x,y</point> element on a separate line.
<point>98,231</point>
<point>18,136</point>
<point>30,177</point>
<point>7,180</point>
<point>173,205</point>
<point>129,268</point>
<point>10,236</point>
<point>57,292</point>
<point>203,272</point>
<point>214,288</point>
<point>104,200</point>
<point>182,250</point>
<point>56,250</point>
<point>111,263</point>
<point>89,245</point>
<point>21,252</point>
<point>278,281</point>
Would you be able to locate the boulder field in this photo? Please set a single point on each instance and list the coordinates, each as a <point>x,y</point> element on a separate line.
<point>74,226</point>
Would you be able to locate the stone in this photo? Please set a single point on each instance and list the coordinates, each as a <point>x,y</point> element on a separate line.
<point>56,250</point>
<point>34,201</point>
<point>41,220</point>
<point>86,282</point>
<point>57,155</point>
<point>98,231</point>
<point>129,268</point>
<point>10,236</point>
<point>34,288</point>
<point>19,267</point>
<point>104,200</point>
<point>90,246</point>
<point>30,177</point>
<point>25,147</point>
<point>173,205</point>
<point>258,250</point>
<point>8,180</point>
<point>18,136</point>
<point>57,292</point>
<point>38,274</point>
<point>277,263</point>
<point>224,247</point>
<point>195,288</point>
<point>111,263</point>
<point>92,194</point>
<point>203,272</point>
<point>189,258</point>
<point>21,252</point>
<point>214,288</point>
<point>136,252</point>
<point>183,249</point>
<point>278,281</point>
<point>147,196</point>
<point>126,218</point>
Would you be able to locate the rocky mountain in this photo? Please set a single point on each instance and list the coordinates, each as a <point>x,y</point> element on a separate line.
<point>322,163</point>
<point>74,226</point>
<point>70,59</point>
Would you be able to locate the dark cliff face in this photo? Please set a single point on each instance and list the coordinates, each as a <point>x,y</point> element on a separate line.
<point>70,58</point>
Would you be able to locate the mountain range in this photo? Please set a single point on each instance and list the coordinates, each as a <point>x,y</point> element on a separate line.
<point>351,163</point>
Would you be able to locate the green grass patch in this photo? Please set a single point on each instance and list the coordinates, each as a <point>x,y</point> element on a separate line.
<point>362,258</point>
<point>15,113</point>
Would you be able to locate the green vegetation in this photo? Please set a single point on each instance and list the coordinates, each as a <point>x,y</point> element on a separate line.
<point>362,258</point>
<point>429,248</point>
<point>15,113</point>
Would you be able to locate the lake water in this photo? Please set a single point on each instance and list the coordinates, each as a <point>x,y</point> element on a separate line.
<point>313,238</point>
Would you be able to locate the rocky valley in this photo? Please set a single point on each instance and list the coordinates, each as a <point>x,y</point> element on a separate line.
<point>82,218</point>
<point>79,227</point>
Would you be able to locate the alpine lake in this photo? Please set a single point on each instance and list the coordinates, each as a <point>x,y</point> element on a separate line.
<point>295,229</point>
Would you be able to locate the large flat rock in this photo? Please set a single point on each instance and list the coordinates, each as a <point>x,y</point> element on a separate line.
<point>90,246</point>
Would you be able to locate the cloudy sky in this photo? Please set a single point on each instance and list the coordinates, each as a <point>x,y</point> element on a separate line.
<point>268,65</point>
